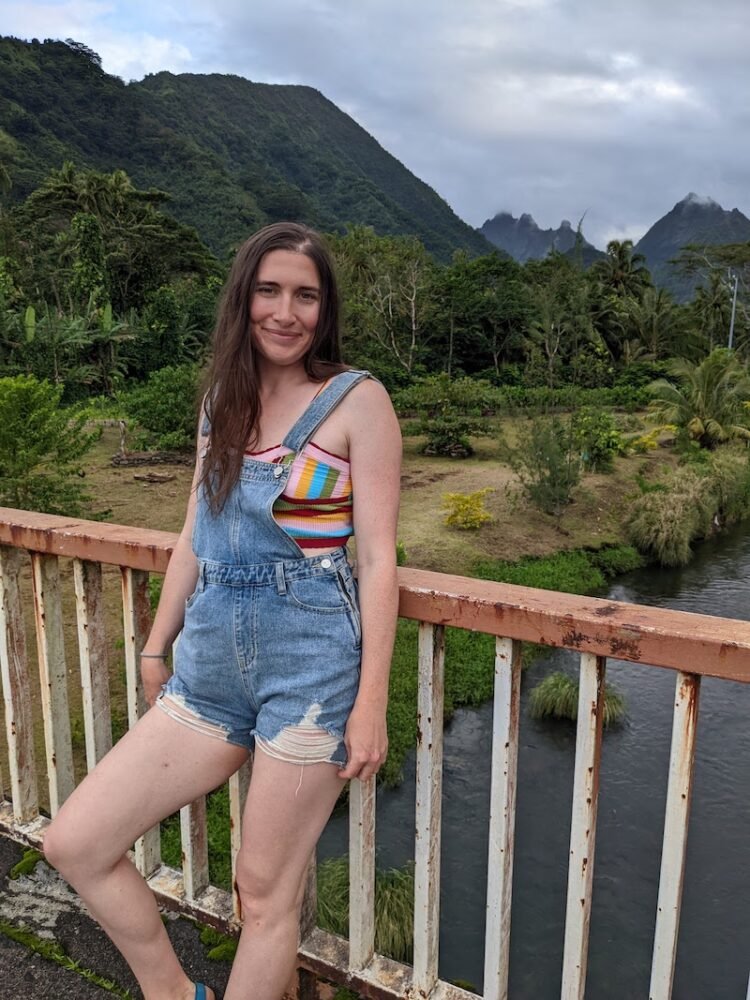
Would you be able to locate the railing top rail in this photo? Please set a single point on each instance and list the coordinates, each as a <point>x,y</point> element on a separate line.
<point>699,644</point>
<point>118,544</point>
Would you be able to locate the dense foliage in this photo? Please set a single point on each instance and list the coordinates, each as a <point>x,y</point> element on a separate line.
<point>40,448</point>
<point>233,154</point>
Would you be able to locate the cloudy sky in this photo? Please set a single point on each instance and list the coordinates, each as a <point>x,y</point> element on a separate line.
<point>552,107</point>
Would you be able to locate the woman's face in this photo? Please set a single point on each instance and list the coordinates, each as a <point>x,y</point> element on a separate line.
<point>285,307</point>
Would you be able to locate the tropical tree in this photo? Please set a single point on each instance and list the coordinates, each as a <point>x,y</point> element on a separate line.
<point>560,325</point>
<point>387,282</point>
<point>712,309</point>
<point>40,448</point>
<point>653,321</point>
<point>622,271</point>
<point>86,232</point>
<point>708,402</point>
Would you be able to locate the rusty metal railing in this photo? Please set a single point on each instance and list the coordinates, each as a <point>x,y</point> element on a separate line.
<point>691,645</point>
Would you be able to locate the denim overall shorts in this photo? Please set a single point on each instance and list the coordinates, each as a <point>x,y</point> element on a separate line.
<point>270,648</point>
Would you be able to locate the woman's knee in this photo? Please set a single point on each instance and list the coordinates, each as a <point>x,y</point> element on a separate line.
<point>266,896</point>
<point>69,846</point>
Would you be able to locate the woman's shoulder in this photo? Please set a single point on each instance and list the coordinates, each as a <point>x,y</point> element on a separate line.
<point>368,392</point>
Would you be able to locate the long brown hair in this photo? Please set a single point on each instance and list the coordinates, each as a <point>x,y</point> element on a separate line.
<point>232,398</point>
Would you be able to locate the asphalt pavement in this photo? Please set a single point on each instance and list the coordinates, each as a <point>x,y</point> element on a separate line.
<point>42,905</point>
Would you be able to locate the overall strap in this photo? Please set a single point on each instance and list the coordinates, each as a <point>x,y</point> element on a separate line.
<point>320,408</point>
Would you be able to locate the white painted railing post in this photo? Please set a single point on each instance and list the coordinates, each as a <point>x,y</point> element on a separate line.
<point>505,727</point>
<point>679,793</point>
<point>361,872</point>
<point>53,678</point>
<point>19,725</point>
<point>194,840</point>
<point>583,825</point>
<point>428,806</point>
<point>92,648</point>
<point>137,621</point>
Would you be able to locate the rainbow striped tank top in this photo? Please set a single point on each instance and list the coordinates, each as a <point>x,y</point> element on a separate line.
<point>316,505</point>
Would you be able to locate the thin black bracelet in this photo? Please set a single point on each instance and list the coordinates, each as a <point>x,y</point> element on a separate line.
<point>155,656</point>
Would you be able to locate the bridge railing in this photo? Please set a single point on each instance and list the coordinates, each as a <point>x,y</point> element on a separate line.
<point>690,645</point>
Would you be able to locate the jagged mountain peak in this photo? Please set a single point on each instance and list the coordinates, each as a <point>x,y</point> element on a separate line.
<point>523,239</point>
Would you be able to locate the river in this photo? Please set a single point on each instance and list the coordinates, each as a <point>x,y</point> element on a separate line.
<point>713,959</point>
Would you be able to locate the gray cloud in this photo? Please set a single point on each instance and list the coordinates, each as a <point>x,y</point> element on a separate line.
<point>554,107</point>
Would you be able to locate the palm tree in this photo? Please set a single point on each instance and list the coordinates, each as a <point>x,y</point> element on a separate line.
<point>652,321</point>
<point>712,306</point>
<point>708,401</point>
<point>622,272</point>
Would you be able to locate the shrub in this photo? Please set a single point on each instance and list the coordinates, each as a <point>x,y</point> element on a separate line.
<point>401,554</point>
<point>40,448</point>
<point>617,559</point>
<point>645,442</point>
<point>166,406</point>
<point>449,436</point>
<point>556,697</point>
<point>547,464</point>
<point>449,411</point>
<point>597,438</point>
<point>437,395</point>
<point>466,510</point>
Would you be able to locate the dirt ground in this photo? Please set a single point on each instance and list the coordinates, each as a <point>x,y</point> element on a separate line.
<point>517,529</point>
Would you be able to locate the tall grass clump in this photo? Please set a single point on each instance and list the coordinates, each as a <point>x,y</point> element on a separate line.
<point>394,906</point>
<point>556,697</point>
<point>663,523</point>
<point>713,489</point>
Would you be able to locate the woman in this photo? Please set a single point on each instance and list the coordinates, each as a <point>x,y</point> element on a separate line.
<point>294,453</point>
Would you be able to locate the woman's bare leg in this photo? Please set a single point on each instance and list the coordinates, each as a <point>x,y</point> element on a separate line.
<point>155,769</point>
<point>287,808</point>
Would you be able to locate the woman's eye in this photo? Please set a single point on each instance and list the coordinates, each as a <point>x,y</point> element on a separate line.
<point>265,289</point>
<point>309,296</point>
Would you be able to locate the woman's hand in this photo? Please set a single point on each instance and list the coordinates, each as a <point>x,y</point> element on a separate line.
<point>366,739</point>
<point>154,675</point>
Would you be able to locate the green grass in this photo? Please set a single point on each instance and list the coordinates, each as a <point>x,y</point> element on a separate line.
<point>394,906</point>
<point>556,697</point>
<point>578,571</point>
<point>219,832</point>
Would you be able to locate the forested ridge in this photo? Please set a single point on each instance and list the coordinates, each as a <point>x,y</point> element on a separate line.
<point>232,155</point>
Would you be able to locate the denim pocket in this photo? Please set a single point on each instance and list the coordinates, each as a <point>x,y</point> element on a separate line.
<point>192,599</point>
<point>318,593</point>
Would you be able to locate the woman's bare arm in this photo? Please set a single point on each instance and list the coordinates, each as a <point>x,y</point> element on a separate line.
<point>179,582</point>
<point>375,457</point>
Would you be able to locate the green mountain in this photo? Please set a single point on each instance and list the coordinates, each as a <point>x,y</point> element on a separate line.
<point>698,221</point>
<point>232,154</point>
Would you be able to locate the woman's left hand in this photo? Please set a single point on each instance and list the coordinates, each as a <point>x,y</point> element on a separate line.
<point>366,739</point>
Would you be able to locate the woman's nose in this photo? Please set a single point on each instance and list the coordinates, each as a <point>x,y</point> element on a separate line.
<point>283,311</point>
